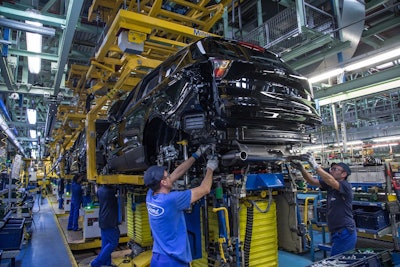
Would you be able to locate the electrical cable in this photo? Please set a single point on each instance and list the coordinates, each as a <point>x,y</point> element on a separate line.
<point>248,234</point>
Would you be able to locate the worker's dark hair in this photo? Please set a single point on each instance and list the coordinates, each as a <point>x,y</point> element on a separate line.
<point>83,176</point>
<point>155,187</point>
<point>76,177</point>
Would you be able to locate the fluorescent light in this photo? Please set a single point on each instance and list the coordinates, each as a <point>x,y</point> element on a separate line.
<point>359,93</point>
<point>373,60</point>
<point>325,75</point>
<point>392,54</point>
<point>31,115</point>
<point>317,147</point>
<point>386,139</point>
<point>32,133</point>
<point>385,145</point>
<point>34,44</point>
<point>352,143</point>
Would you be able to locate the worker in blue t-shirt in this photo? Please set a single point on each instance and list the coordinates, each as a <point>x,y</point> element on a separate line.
<point>108,222</point>
<point>166,210</point>
<point>339,202</point>
<point>76,202</point>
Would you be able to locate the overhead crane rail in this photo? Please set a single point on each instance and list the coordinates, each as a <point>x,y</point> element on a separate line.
<point>203,14</point>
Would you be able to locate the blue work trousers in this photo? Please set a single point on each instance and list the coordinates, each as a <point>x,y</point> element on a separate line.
<point>343,241</point>
<point>60,201</point>
<point>160,260</point>
<point>109,241</point>
<point>73,223</point>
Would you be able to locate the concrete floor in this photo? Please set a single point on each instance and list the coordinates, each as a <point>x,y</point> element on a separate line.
<point>47,246</point>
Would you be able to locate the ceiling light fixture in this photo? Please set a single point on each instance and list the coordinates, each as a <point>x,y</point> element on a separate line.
<point>31,113</point>
<point>326,75</point>
<point>373,60</point>
<point>34,44</point>
<point>359,93</point>
<point>32,133</point>
<point>392,54</point>
<point>386,139</point>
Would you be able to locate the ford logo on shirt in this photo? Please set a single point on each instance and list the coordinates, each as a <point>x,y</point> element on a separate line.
<point>155,210</point>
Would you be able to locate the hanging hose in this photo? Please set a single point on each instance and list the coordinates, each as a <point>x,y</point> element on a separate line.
<point>248,234</point>
<point>253,202</point>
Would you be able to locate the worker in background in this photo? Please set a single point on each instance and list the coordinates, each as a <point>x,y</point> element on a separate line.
<point>108,222</point>
<point>166,210</point>
<point>76,202</point>
<point>339,202</point>
<point>60,189</point>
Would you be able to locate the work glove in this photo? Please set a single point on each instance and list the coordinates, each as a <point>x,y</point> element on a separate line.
<point>201,150</point>
<point>296,164</point>
<point>311,160</point>
<point>212,164</point>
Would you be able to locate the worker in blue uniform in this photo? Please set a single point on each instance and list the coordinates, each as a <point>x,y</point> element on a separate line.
<point>60,189</point>
<point>166,210</point>
<point>340,219</point>
<point>76,202</point>
<point>108,222</point>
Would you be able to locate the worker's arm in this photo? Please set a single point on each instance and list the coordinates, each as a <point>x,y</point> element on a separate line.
<point>308,177</point>
<point>184,167</point>
<point>328,178</point>
<point>325,176</point>
<point>181,169</point>
<point>205,186</point>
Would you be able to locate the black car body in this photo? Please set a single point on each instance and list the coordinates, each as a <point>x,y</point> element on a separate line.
<point>75,157</point>
<point>240,97</point>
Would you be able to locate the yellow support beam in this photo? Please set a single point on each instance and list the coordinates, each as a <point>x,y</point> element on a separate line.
<point>120,179</point>
<point>91,134</point>
<point>134,21</point>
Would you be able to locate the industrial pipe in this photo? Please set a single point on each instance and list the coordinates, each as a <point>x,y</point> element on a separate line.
<point>17,25</point>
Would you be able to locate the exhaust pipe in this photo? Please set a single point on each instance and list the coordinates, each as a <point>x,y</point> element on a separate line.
<point>251,153</point>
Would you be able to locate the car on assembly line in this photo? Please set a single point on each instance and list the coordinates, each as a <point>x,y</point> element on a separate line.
<point>240,97</point>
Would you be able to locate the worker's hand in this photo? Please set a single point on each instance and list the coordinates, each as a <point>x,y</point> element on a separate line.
<point>212,164</point>
<point>311,160</point>
<point>201,150</point>
<point>296,164</point>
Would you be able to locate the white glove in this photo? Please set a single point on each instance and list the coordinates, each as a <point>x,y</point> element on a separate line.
<point>201,150</point>
<point>311,160</point>
<point>212,164</point>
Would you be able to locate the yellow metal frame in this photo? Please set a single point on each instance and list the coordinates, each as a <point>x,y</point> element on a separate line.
<point>134,21</point>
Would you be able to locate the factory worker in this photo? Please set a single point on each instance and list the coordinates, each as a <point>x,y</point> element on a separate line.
<point>108,222</point>
<point>76,202</point>
<point>166,210</point>
<point>340,219</point>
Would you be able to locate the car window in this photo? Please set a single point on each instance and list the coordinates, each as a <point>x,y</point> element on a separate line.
<point>148,84</point>
<point>133,126</point>
<point>173,90</point>
<point>171,64</point>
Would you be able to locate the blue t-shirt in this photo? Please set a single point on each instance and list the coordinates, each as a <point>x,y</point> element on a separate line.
<point>167,222</point>
<point>340,206</point>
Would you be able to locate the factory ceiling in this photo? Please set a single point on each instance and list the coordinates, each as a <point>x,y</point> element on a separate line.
<point>311,36</point>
